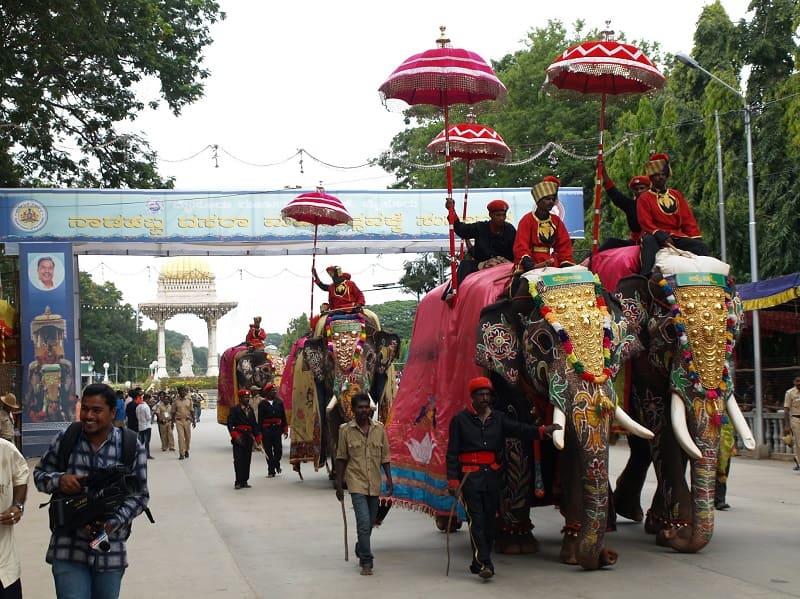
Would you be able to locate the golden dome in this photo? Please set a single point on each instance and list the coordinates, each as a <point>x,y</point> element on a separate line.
<point>186,268</point>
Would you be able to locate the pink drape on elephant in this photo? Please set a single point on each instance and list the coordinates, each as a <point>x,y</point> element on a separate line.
<point>434,386</point>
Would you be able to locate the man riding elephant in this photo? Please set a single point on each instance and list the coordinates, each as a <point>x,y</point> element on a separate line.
<point>343,293</point>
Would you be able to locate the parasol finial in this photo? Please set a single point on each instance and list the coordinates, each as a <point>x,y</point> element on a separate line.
<point>443,40</point>
<point>608,34</point>
<point>471,116</point>
<point>320,188</point>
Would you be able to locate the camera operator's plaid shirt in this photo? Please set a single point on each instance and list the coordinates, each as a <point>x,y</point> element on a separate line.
<point>73,546</point>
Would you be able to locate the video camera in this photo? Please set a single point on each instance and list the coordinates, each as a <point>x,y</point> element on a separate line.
<point>103,492</point>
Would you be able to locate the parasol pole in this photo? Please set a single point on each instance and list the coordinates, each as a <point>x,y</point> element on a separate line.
<point>313,268</point>
<point>598,180</point>
<point>451,213</point>
<point>464,211</point>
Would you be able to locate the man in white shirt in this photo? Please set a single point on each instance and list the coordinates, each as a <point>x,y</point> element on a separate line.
<point>144,417</point>
<point>13,490</point>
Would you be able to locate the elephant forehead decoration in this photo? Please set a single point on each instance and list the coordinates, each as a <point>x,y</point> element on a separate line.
<point>705,320</point>
<point>346,339</point>
<point>575,307</point>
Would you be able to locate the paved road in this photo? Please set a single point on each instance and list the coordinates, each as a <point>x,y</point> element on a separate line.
<point>284,538</point>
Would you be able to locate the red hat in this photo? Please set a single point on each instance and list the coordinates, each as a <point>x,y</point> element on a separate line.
<point>496,206</point>
<point>243,393</point>
<point>640,180</point>
<point>337,271</point>
<point>268,387</point>
<point>479,382</point>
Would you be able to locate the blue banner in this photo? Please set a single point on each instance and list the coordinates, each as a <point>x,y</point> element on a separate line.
<point>47,332</point>
<point>193,216</point>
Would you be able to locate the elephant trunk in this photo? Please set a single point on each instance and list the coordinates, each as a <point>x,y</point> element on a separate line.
<point>591,552</point>
<point>692,537</point>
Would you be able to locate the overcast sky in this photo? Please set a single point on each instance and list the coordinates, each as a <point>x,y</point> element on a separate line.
<point>305,75</point>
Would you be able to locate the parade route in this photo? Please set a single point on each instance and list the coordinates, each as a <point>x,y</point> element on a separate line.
<point>284,538</point>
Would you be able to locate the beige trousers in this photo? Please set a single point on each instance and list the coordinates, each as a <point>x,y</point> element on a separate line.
<point>184,435</point>
<point>795,424</point>
<point>167,436</point>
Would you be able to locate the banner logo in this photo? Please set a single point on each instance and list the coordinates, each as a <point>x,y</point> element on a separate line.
<point>29,216</point>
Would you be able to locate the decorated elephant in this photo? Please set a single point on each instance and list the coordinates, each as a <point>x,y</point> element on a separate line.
<point>241,367</point>
<point>686,315</point>
<point>551,351</point>
<point>346,354</point>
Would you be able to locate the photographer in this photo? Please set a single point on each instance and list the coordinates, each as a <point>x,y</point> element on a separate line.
<point>80,570</point>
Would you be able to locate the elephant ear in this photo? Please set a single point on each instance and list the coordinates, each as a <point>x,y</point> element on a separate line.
<point>388,348</point>
<point>497,346</point>
<point>314,356</point>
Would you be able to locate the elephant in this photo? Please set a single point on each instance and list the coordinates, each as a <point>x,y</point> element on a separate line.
<point>241,367</point>
<point>555,346</point>
<point>686,315</point>
<point>346,355</point>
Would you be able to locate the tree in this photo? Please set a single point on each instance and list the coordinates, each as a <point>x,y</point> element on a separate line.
<point>423,273</point>
<point>67,78</point>
<point>298,327</point>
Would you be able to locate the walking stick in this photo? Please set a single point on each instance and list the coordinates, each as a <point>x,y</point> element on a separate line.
<point>344,519</point>
<point>450,520</point>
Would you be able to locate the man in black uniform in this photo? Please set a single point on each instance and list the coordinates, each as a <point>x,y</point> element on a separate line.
<point>638,185</point>
<point>272,418</point>
<point>474,450</point>
<point>494,239</point>
<point>244,432</point>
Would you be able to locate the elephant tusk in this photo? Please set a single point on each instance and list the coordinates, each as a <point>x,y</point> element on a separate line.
<point>740,424</point>
<point>331,404</point>
<point>630,425</point>
<point>559,417</point>
<point>678,412</point>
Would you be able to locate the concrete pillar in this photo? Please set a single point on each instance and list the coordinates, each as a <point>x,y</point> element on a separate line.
<point>213,358</point>
<point>162,350</point>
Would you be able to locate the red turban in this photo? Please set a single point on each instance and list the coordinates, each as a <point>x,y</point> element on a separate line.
<point>658,163</point>
<point>243,393</point>
<point>268,387</point>
<point>497,205</point>
<point>547,187</point>
<point>640,180</point>
<point>479,382</point>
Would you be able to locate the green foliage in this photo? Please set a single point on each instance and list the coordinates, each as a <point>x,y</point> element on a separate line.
<point>298,327</point>
<point>68,77</point>
<point>275,339</point>
<point>424,273</point>
<point>397,316</point>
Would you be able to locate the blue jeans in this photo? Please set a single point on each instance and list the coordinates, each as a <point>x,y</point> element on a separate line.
<point>79,581</point>
<point>366,509</point>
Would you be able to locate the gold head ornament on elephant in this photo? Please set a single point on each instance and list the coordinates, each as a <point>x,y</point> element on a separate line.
<point>687,316</point>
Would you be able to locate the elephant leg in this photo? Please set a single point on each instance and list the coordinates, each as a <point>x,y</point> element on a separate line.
<point>672,503</point>
<point>628,491</point>
<point>514,526</point>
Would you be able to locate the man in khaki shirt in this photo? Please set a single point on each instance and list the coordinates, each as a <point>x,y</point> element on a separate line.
<point>791,418</point>
<point>362,451</point>
<point>182,412</point>
<point>163,415</point>
<point>8,405</point>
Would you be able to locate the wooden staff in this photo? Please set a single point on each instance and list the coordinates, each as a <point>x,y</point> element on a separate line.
<point>450,519</point>
<point>344,519</point>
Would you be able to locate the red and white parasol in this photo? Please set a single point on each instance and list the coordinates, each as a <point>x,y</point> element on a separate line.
<point>471,141</point>
<point>317,208</point>
<point>602,69</point>
<point>443,76</point>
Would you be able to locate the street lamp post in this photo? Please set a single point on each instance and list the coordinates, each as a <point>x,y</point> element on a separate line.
<point>751,212</point>
<point>105,372</point>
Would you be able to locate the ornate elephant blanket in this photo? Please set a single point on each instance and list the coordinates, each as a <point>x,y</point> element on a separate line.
<point>441,361</point>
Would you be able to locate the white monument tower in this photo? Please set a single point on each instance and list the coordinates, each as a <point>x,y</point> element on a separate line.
<point>186,286</point>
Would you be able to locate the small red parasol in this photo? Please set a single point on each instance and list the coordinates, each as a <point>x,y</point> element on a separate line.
<point>598,70</point>
<point>471,141</point>
<point>317,208</point>
<point>443,76</point>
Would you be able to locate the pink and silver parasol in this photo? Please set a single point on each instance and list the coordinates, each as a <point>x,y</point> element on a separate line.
<point>602,69</point>
<point>470,141</point>
<point>317,208</point>
<point>443,76</point>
